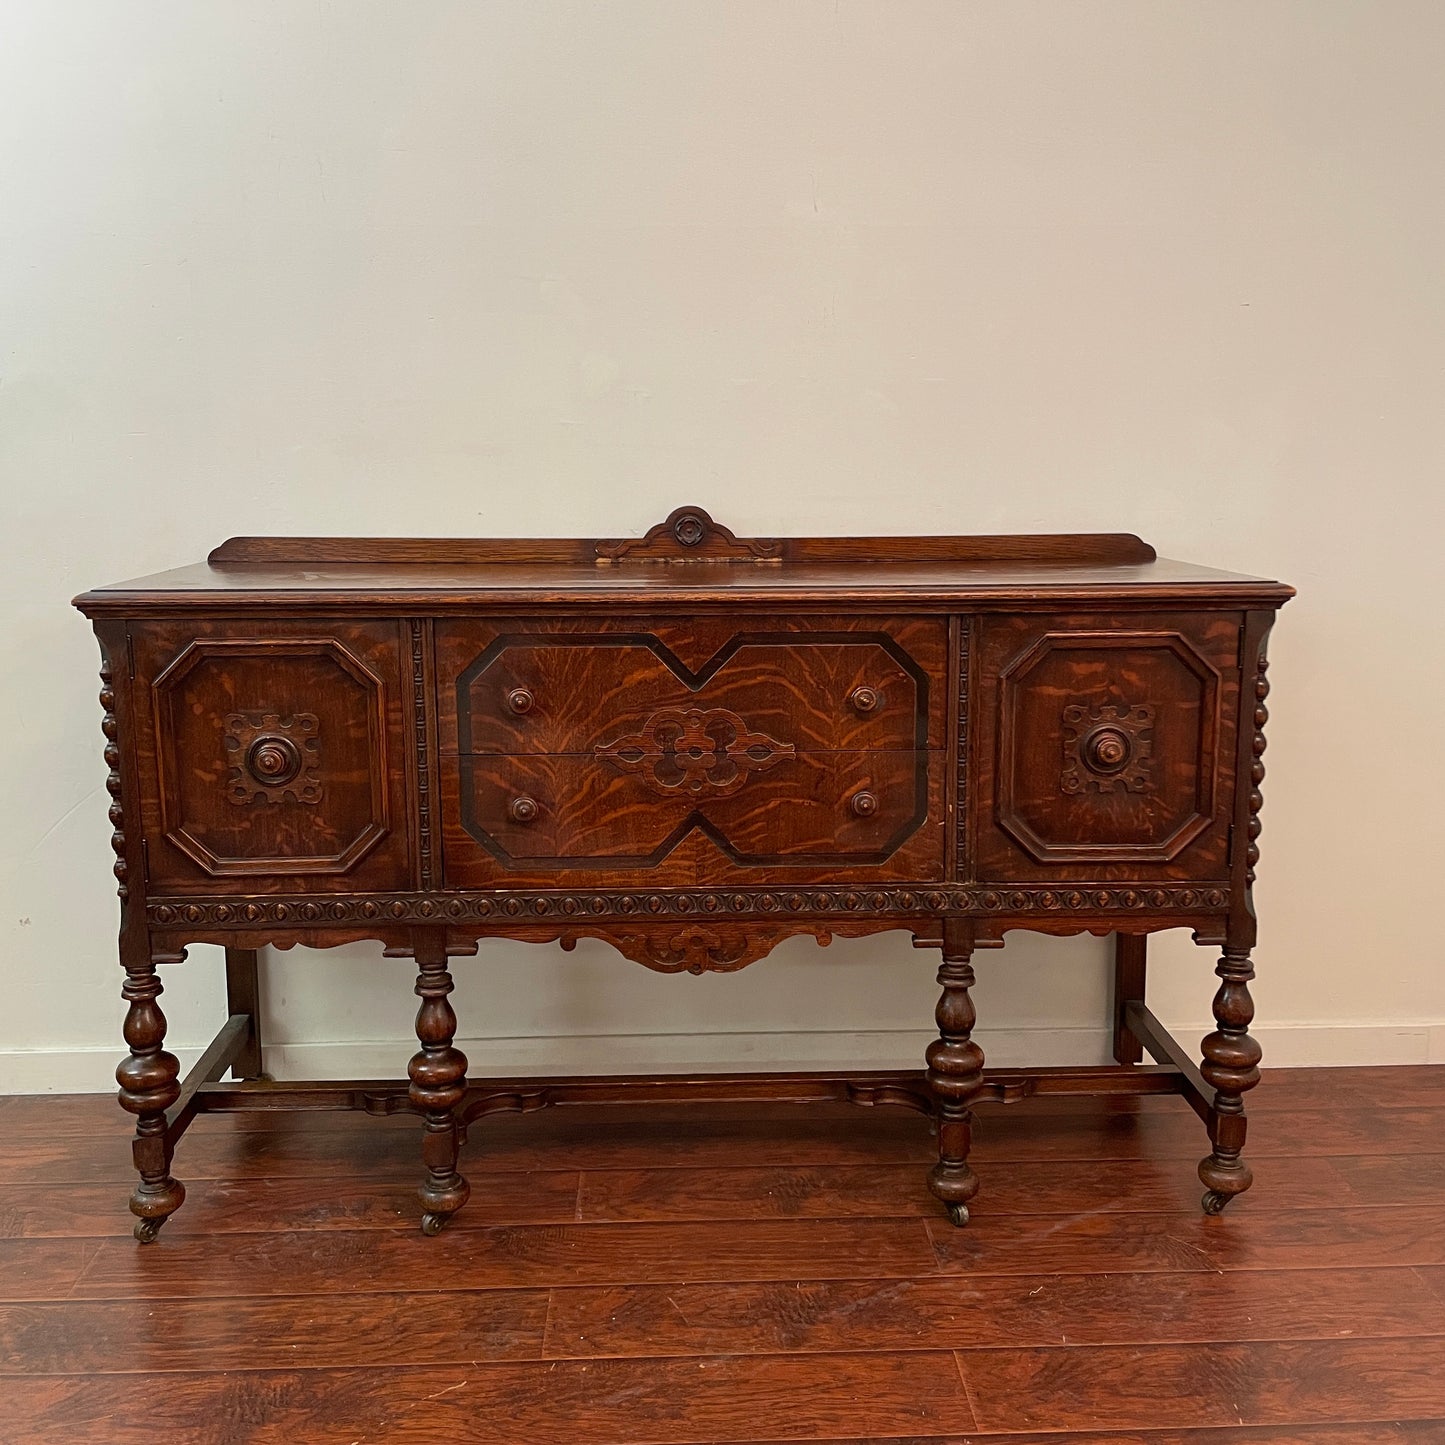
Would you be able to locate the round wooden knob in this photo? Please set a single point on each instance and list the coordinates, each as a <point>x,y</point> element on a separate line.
<point>520,700</point>
<point>1107,750</point>
<point>864,804</point>
<point>274,760</point>
<point>689,529</point>
<point>523,809</point>
<point>864,699</point>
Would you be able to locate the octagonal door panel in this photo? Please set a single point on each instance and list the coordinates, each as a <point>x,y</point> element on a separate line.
<point>1104,747</point>
<point>274,756</point>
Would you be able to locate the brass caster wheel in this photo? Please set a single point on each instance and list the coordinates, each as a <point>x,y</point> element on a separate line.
<point>433,1224</point>
<point>1213,1201</point>
<point>146,1230</point>
<point>958,1213</point>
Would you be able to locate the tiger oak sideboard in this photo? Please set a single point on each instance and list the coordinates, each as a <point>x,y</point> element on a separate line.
<point>691,745</point>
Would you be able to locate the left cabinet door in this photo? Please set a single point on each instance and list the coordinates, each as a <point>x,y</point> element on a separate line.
<point>273,756</point>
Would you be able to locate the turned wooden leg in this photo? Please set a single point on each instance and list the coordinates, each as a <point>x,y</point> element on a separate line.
<point>438,1083</point>
<point>1130,963</point>
<point>1231,1065</point>
<point>149,1084</point>
<point>243,996</point>
<point>955,1075</point>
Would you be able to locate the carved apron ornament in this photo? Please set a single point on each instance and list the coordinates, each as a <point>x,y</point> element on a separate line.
<point>698,751</point>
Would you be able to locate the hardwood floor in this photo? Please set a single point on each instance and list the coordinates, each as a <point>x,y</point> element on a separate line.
<point>743,1275</point>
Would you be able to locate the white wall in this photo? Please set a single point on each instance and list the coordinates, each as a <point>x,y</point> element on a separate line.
<point>370,266</point>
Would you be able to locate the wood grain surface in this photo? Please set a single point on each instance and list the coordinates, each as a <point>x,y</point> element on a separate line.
<point>754,1275</point>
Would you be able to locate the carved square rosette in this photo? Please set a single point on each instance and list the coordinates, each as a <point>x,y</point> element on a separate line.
<point>272,757</point>
<point>1108,748</point>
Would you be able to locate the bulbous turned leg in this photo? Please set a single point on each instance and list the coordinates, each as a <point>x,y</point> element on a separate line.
<point>438,1083</point>
<point>955,1074</point>
<point>1231,1065</point>
<point>149,1084</point>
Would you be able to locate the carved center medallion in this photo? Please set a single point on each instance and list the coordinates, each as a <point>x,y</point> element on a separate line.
<point>272,757</point>
<point>701,751</point>
<point>1107,748</point>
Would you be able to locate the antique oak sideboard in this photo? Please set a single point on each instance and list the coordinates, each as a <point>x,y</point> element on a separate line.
<point>691,745</point>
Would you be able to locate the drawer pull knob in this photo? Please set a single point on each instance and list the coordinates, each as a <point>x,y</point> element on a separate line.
<point>1107,750</point>
<point>523,809</point>
<point>864,699</point>
<point>519,700</point>
<point>274,760</point>
<point>864,804</point>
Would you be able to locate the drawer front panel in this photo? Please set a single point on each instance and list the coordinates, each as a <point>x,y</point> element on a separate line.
<point>272,754</point>
<point>820,685</point>
<point>1104,746</point>
<point>665,751</point>
<point>825,807</point>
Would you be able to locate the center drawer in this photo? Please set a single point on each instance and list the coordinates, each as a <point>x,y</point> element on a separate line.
<point>680,751</point>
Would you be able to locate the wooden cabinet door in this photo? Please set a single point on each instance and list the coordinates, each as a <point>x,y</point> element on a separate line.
<point>1104,747</point>
<point>273,755</point>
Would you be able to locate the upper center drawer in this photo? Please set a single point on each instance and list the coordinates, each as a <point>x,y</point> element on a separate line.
<point>816,684</point>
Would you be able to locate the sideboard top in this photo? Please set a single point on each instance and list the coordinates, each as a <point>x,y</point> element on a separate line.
<point>688,558</point>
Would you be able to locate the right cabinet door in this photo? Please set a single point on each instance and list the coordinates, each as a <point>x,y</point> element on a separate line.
<point>1103,747</point>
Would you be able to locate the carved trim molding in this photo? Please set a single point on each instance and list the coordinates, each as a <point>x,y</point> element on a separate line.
<point>419,692</point>
<point>690,535</point>
<point>965,631</point>
<point>272,757</point>
<point>924,901</point>
<point>695,751</point>
<point>1108,748</point>
<point>111,728</point>
<point>1256,771</point>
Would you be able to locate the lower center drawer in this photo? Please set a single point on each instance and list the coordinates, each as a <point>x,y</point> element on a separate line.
<point>698,809</point>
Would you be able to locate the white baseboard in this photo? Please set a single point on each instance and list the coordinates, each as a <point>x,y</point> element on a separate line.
<point>92,1070</point>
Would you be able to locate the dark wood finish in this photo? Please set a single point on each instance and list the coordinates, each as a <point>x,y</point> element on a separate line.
<point>715,542</point>
<point>149,1082</point>
<point>692,745</point>
<point>1131,954</point>
<point>955,1074</point>
<point>438,1084</point>
<point>592,1306</point>
<point>1114,738</point>
<point>243,997</point>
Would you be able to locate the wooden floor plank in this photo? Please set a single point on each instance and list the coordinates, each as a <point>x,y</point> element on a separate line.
<point>600,1402</point>
<point>1135,1387</point>
<point>1426,1432</point>
<point>903,1314</point>
<point>1433,1277</point>
<point>1345,1238</point>
<point>338,1329</point>
<point>43,1268</point>
<point>222,1206</point>
<point>1400,1179</point>
<point>1027,1187</point>
<point>1392,1433</point>
<point>533,1257</point>
<point>522,1257</point>
<point>1379,1086</point>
